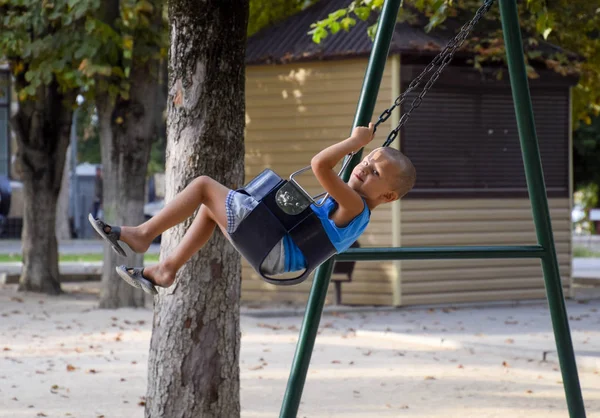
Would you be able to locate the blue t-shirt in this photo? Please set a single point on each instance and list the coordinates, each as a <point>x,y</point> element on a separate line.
<point>341,237</point>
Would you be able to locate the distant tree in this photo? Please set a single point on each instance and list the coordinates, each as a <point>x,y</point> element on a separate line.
<point>44,43</point>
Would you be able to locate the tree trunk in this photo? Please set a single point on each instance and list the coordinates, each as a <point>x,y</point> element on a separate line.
<point>63,229</point>
<point>194,353</point>
<point>42,127</point>
<point>126,134</point>
<point>127,129</point>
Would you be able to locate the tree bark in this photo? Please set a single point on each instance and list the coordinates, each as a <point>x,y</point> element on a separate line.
<point>42,127</point>
<point>63,229</point>
<point>126,134</point>
<point>194,353</point>
<point>127,128</point>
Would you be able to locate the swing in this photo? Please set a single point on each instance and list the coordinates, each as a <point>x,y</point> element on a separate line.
<point>285,207</point>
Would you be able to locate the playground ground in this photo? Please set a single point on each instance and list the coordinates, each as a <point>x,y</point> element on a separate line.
<point>63,357</point>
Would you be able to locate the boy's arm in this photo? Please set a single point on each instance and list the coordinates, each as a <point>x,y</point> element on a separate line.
<point>324,162</point>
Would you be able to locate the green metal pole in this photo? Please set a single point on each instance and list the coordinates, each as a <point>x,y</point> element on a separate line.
<point>539,203</point>
<point>316,299</point>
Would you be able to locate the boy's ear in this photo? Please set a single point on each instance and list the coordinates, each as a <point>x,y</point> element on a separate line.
<point>390,196</point>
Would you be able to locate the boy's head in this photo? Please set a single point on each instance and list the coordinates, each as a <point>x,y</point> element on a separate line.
<point>383,176</point>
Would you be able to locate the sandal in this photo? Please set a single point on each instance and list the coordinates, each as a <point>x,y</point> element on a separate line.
<point>135,277</point>
<point>111,237</point>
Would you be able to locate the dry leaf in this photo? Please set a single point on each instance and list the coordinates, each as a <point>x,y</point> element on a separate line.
<point>335,362</point>
<point>460,366</point>
<point>505,364</point>
<point>256,367</point>
<point>269,326</point>
<point>404,407</point>
<point>41,414</point>
<point>6,349</point>
<point>509,341</point>
<point>92,371</point>
<point>70,368</point>
<point>430,378</point>
<point>529,391</point>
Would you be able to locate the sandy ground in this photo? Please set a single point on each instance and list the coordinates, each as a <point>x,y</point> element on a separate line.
<point>62,357</point>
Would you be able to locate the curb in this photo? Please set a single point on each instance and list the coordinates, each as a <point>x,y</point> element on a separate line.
<point>584,363</point>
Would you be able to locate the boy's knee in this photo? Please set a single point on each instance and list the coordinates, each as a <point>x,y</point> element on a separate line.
<point>201,183</point>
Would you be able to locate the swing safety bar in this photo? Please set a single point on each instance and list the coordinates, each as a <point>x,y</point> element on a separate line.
<point>545,249</point>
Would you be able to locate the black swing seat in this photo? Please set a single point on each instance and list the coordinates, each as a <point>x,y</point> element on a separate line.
<point>268,223</point>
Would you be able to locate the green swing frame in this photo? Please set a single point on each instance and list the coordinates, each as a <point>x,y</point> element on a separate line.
<point>544,250</point>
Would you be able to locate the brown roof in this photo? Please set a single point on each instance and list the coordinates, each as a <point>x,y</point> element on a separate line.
<point>288,40</point>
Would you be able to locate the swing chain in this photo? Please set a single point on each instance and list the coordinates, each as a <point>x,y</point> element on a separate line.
<point>442,59</point>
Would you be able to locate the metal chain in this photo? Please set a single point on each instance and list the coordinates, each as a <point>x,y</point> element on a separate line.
<point>442,60</point>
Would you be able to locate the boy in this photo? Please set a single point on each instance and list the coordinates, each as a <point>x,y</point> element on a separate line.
<point>383,176</point>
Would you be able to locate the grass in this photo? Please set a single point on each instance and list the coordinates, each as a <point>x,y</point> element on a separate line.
<point>12,258</point>
<point>585,252</point>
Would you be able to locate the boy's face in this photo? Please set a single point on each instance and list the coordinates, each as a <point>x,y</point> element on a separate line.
<point>370,177</point>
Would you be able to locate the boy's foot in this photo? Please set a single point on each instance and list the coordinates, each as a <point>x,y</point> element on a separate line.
<point>110,234</point>
<point>135,277</point>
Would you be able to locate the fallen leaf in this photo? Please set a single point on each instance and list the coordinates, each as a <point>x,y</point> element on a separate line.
<point>460,366</point>
<point>430,378</point>
<point>92,371</point>
<point>505,364</point>
<point>367,353</point>
<point>16,299</point>
<point>269,326</point>
<point>335,362</point>
<point>404,407</point>
<point>256,367</point>
<point>6,349</point>
<point>509,341</point>
<point>529,391</point>
<point>70,368</point>
<point>41,414</point>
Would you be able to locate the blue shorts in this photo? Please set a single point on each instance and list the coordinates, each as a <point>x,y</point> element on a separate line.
<point>237,207</point>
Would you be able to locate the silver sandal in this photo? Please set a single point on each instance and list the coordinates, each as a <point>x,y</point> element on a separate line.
<point>135,277</point>
<point>111,237</point>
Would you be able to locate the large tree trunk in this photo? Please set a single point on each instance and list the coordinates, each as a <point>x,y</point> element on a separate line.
<point>194,353</point>
<point>127,129</point>
<point>42,127</point>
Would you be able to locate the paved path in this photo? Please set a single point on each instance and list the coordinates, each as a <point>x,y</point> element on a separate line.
<point>586,268</point>
<point>80,246</point>
<point>58,353</point>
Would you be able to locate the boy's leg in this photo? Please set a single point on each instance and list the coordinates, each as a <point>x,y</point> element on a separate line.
<point>202,190</point>
<point>212,213</point>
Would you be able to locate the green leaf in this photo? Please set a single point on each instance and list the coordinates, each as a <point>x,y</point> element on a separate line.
<point>347,23</point>
<point>362,12</point>
<point>546,32</point>
<point>335,27</point>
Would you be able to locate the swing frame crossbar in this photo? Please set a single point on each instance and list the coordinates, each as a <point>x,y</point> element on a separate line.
<point>431,253</point>
<point>545,248</point>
